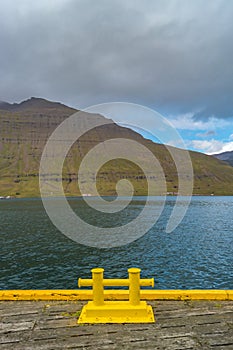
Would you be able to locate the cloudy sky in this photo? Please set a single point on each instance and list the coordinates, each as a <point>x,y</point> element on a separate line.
<point>174,56</point>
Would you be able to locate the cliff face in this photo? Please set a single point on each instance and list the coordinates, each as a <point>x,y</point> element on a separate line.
<point>25,128</point>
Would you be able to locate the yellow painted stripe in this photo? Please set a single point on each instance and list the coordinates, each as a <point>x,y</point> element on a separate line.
<point>61,294</point>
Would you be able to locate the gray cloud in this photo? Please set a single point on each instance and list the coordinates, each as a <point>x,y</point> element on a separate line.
<point>206,134</point>
<point>175,56</point>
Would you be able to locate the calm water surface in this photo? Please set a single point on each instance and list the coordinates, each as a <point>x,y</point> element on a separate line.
<point>198,254</point>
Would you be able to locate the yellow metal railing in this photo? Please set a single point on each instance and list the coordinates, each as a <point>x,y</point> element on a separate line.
<point>133,282</point>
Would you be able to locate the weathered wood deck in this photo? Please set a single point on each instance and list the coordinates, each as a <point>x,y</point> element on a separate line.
<point>183,325</point>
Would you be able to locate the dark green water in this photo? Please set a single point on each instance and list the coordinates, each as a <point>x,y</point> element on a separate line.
<point>198,254</point>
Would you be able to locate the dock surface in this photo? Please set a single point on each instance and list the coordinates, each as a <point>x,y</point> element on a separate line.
<point>180,325</point>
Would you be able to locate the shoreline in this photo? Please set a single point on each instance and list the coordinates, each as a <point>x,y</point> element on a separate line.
<point>7,198</point>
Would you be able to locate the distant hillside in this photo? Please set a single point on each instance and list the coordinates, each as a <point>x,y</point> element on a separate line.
<point>25,128</point>
<point>33,104</point>
<point>226,156</point>
<point>5,105</point>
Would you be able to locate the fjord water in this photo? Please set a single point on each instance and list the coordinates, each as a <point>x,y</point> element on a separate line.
<point>197,254</point>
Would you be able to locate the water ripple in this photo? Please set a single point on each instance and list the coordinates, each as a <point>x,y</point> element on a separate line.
<point>198,254</point>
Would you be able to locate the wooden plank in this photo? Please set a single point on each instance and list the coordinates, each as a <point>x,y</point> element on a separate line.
<point>179,325</point>
<point>14,337</point>
<point>16,326</point>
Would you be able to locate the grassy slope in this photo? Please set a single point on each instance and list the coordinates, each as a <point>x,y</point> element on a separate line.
<point>25,129</point>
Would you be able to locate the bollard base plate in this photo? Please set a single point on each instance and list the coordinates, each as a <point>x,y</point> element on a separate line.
<point>117,312</point>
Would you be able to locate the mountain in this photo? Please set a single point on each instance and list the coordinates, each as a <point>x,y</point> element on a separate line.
<point>5,105</point>
<point>225,156</point>
<point>33,103</point>
<point>25,128</point>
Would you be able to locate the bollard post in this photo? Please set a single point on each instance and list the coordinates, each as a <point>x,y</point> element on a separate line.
<point>134,286</point>
<point>132,311</point>
<point>98,288</point>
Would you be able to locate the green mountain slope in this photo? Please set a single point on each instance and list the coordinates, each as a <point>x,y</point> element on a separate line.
<point>25,128</point>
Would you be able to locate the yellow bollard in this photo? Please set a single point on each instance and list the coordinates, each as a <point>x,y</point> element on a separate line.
<point>134,286</point>
<point>132,311</point>
<point>98,288</point>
